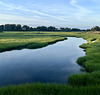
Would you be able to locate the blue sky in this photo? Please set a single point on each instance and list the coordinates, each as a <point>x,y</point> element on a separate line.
<point>59,13</point>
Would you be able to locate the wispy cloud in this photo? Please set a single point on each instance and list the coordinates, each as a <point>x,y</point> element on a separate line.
<point>16,18</point>
<point>9,6</point>
<point>80,11</point>
<point>73,2</point>
<point>22,8</point>
<point>44,14</point>
<point>51,12</point>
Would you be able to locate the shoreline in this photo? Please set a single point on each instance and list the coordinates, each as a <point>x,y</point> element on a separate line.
<point>31,45</point>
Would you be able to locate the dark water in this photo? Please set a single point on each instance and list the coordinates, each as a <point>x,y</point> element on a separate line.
<point>53,63</point>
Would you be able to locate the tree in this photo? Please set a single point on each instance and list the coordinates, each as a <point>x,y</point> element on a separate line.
<point>12,27</point>
<point>75,29</point>
<point>62,29</point>
<point>68,29</point>
<point>7,27</point>
<point>41,28</point>
<point>1,28</point>
<point>52,28</point>
<point>65,29</point>
<point>34,29</point>
<point>25,28</point>
<point>96,28</point>
<point>18,27</point>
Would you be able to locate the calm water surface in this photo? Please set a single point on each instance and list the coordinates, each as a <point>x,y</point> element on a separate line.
<point>53,63</point>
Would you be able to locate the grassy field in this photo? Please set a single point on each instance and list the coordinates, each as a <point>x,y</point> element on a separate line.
<point>79,84</point>
<point>30,40</point>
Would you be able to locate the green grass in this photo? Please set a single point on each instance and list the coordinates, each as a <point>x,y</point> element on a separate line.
<point>91,62</point>
<point>30,40</point>
<point>78,84</point>
<point>49,89</point>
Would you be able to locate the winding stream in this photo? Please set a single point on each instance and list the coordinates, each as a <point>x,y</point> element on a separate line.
<point>53,63</point>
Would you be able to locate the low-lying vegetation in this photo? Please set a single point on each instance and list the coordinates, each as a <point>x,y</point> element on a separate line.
<point>78,84</point>
<point>91,62</point>
<point>30,40</point>
<point>49,89</point>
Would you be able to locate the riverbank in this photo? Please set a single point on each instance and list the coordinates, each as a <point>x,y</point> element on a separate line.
<point>29,40</point>
<point>80,84</point>
<point>91,63</point>
<point>49,89</point>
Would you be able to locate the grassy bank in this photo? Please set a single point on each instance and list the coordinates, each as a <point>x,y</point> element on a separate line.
<point>30,40</point>
<point>49,89</point>
<point>91,62</point>
<point>78,84</point>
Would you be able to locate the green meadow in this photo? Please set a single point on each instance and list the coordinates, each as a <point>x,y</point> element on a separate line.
<point>78,84</point>
<point>30,40</point>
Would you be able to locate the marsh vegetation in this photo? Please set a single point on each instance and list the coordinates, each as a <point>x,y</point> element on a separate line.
<point>78,84</point>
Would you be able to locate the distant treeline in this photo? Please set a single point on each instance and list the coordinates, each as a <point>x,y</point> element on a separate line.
<point>96,28</point>
<point>18,27</point>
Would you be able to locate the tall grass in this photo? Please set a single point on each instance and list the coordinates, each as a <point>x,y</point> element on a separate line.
<point>30,40</point>
<point>91,62</point>
<point>49,89</point>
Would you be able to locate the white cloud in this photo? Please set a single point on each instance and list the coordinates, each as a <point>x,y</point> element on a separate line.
<point>81,12</point>
<point>15,18</point>
<point>73,2</point>
<point>11,19</point>
<point>12,7</point>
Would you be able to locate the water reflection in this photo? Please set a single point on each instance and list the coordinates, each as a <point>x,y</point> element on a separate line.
<point>53,63</point>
